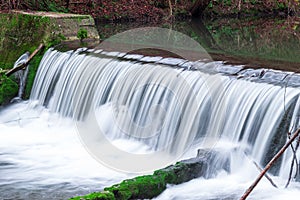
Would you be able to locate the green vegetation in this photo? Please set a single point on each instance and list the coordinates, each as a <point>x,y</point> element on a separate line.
<point>33,67</point>
<point>45,5</point>
<point>150,186</point>
<point>142,187</point>
<point>25,32</point>
<point>82,34</point>
<point>8,89</point>
<point>149,10</point>
<point>218,8</point>
<point>20,33</point>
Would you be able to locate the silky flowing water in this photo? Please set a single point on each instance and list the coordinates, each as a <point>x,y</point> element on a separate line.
<point>244,113</point>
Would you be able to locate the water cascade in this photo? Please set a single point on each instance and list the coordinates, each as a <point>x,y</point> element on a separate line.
<point>174,108</point>
<point>21,75</point>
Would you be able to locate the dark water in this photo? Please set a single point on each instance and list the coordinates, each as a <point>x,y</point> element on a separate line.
<point>258,43</point>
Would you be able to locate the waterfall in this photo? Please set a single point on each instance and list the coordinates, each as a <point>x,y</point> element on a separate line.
<point>147,106</point>
<point>21,75</point>
<point>169,107</point>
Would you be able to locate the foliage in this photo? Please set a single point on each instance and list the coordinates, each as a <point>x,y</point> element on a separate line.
<point>44,5</point>
<point>54,39</point>
<point>20,33</point>
<point>8,89</point>
<point>150,10</point>
<point>23,33</point>
<point>82,34</point>
<point>33,67</point>
<point>252,7</point>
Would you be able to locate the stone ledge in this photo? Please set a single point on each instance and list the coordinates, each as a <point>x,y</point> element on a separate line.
<point>66,24</point>
<point>50,14</point>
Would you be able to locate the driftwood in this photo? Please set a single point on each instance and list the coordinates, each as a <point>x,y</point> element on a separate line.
<point>13,70</point>
<point>269,165</point>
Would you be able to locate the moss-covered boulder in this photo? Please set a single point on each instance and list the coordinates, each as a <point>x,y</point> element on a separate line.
<point>150,186</point>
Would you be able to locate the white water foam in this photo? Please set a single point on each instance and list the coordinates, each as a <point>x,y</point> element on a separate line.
<point>40,151</point>
<point>41,154</point>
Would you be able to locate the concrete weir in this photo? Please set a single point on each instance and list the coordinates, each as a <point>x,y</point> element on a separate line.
<point>67,24</point>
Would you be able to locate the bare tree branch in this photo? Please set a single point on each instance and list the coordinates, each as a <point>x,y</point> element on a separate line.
<point>269,165</point>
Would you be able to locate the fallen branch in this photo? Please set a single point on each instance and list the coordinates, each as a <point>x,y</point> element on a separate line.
<point>13,70</point>
<point>269,165</point>
<point>266,175</point>
<point>3,71</point>
<point>294,160</point>
<point>260,169</point>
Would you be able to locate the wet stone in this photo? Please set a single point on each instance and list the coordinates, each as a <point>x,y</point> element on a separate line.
<point>151,59</point>
<point>90,50</point>
<point>273,76</point>
<point>113,54</point>
<point>187,65</point>
<point>251,73</point>
<point>98,51</point>
<point>293,80</point>
<point>171,61</point>
<point>229,69</point>
<point>206,67</point>
<point>133,56</point>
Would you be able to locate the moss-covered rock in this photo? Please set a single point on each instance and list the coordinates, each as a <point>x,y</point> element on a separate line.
<point>150,186</point>
<point>105,195</point>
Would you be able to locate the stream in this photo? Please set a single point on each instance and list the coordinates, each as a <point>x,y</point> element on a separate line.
<point>42,155</point>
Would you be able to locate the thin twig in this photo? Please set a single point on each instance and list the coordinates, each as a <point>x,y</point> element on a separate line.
<point>260,169</point>
<point>297,164</point>
<point>294,160</point>
<point>266,175</point>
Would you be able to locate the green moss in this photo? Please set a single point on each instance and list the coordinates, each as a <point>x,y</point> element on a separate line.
<point>144,187</point>
<point>82,34</point>
<point>20,33</point>
<point>33,67</point>
<point>8,89</point>
<point>139,188</point>
<point>54,39</point>
<point>97,196</point>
